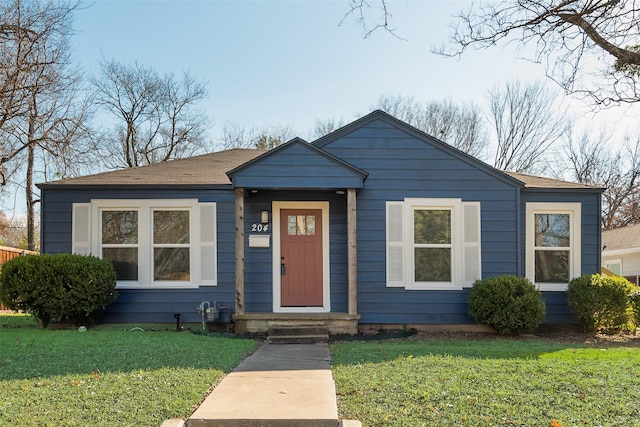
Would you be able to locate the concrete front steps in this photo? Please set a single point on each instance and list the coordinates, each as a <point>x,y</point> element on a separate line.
<point>297,334</point>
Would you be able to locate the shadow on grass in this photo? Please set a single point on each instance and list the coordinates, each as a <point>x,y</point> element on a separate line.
<point>28,352</point>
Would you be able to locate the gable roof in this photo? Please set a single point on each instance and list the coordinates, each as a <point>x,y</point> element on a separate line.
<point>418,134</point>
<point>207,169</point>
<point>211,169</point>
<point>274,169</point>
<point>514,178</point>
<point>621,238</point>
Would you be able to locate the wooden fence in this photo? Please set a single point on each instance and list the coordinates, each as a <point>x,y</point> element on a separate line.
<point>7,253</point>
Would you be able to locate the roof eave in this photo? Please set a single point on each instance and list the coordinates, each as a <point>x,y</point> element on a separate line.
<point>202,186</point>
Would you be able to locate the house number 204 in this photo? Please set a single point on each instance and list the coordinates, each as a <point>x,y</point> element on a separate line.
<point>259,227</point>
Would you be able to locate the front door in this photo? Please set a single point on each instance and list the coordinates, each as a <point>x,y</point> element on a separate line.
<point>301,281</point>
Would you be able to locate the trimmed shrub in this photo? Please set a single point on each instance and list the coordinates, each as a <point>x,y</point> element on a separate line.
<point>635,307</point>
<point>507,304</point>
<point>602,303</point>
<point>58,287</point>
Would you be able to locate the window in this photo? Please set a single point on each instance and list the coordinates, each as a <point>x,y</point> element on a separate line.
<point>614,265</point>
<point>432,247</point>
<point>433,243</point>
<point>152,243</point>
<point>301,225</point>
<point>119,231</point>
<point>171,248</point>
<point>553,244</point>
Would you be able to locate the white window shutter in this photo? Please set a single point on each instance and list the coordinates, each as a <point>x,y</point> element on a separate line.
<point>81,229</point>
<point>395,256</point>
<point>472,242</point>
<point>208,256</point>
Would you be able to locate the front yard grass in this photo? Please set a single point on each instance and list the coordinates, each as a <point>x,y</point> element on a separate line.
<point>107,377</point>
<point>494,382</point>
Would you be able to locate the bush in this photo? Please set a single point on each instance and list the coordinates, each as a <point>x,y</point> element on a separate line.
<point>635,306</point>
<point>602,303</point>
<point>507,304</point>
<point>58,287</point>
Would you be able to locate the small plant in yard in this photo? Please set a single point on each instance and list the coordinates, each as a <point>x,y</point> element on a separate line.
<point>507,304</point>
<point>602,303</point>
<point>60,286</point>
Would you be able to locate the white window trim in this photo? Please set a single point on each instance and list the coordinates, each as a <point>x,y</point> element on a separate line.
<point>458,243</point>
<point>574,210</point>
<point>145,210</point>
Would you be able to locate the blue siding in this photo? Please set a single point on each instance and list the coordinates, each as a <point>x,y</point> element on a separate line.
<point>591,237</point>
<point>558,310</point>
<point>297,166</point>
<point>149,305</point>
<point>258,261</point>
<point>402,166</point>
<point>399,165</point>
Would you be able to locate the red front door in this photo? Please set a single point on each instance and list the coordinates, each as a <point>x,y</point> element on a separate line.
<point>301,258</point>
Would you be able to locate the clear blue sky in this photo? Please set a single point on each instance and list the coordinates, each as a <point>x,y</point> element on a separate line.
<point>291,62</point>
<point>271,63</point>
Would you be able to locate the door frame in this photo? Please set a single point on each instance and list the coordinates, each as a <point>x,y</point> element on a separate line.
<point>276,206</point>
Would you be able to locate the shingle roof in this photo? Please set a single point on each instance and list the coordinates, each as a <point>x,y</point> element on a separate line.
<point>621,238</point>
<point>207,169</point>
<point>531,181</point>
<point>211,169</point>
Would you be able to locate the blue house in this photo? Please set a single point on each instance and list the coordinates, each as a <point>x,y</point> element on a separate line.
<point>374,225</point>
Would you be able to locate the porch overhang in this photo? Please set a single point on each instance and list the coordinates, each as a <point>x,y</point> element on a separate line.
<point>352,254</point>
<point>297,165</point>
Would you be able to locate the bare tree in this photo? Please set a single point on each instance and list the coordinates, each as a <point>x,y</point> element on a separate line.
<point>527,123</point>
<point>459,126</point>
<point>591,160</point>
<point>238,136</point>
<point>17,35</point>
<point>46,122</point>
<point>13,233</point>
<point>157,118</point>
<point>570,37</point>
<point>585,45</point>
<point>325,127</point>
<point>4,224</point>
<point>266,142</point>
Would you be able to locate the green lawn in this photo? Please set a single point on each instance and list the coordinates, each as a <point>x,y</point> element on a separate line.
<point>107,377</point>
<point>498,382</point>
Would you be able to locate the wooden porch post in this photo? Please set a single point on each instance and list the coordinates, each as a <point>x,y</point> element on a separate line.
<point>239,192</point>
<point>352,251</point>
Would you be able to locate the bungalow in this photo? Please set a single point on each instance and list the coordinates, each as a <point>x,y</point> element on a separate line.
<point>374,225</point>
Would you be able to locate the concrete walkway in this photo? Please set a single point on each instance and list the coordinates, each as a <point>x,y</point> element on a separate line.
<point>283,385</point>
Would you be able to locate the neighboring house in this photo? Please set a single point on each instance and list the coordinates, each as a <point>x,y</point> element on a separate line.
<point>376,224</point>
<point>621,252</point>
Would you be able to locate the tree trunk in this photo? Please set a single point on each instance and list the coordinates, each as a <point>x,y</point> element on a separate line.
<point>29,197</point>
